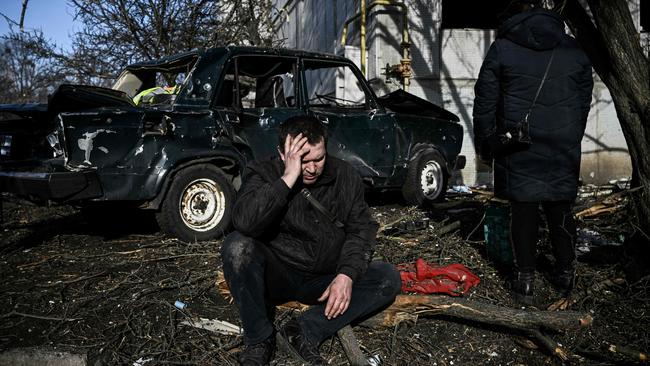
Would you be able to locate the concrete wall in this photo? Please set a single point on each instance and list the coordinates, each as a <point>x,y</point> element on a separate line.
<point>605,155</point>
<point>445,65</point>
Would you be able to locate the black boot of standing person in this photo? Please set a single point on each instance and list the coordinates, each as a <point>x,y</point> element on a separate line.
<point>523,288</point>
<point>564,281</point>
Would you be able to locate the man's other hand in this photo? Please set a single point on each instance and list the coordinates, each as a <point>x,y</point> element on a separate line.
<point>294,149</point>
<point>338,295</point>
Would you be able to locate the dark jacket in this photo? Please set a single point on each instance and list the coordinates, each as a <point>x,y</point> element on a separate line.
<point>298,234</point>
<point>507,83</point>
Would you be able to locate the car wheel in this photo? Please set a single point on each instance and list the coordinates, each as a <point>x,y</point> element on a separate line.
<point>426,180</point>
<point>198,204</point>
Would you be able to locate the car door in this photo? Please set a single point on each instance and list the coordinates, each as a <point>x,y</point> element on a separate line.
<point>103,138</point>
<point>360,132</point>
<point>257,93</point>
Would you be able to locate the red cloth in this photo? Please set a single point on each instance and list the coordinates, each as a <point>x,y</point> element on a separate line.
<point>454,279</point>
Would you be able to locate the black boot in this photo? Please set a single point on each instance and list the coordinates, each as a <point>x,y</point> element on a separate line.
<point>294,340</point>
<point>523,288</point>
<point>564,280</point>
<point>259,354</point>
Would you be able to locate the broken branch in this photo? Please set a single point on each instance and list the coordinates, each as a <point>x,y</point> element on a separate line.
<point>448,228</point>
<point>351,347</point>
<point>526,320</point>
<point>24,315</point>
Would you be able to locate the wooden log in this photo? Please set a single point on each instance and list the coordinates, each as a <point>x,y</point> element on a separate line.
<point>351,347</point>
<point>461,308</point>
<point>630,354</point>
<point>448,228</point>
<point>596,210</point>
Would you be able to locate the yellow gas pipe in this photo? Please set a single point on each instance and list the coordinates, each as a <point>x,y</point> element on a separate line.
<point>404,68</point>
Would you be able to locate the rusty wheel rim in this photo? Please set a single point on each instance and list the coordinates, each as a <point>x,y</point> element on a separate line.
<point>431,179</point>
<point>202,204</point>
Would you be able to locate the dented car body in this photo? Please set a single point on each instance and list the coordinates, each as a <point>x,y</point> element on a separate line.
<point>183,151</point>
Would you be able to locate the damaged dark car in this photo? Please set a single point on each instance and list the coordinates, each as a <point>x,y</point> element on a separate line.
<point>174,135</point>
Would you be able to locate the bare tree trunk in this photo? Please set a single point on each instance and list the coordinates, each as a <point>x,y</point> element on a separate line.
<point>612,43</point>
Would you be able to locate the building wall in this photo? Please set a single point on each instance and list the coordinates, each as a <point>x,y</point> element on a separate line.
<point>605,155</point>
<point>445,65</point>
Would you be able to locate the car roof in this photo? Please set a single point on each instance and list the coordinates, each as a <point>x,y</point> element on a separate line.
<point>234,51</point>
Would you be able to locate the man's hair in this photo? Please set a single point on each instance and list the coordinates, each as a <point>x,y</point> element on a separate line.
<point>309,126</point>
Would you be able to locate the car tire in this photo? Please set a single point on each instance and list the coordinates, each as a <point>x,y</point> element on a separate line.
<point>426,179</point>
<point>198,205</point>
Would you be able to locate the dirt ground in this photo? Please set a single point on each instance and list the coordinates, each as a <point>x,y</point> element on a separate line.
<point>106,288</point>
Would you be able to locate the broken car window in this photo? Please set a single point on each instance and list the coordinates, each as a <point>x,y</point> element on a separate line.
<point>264,82</point>
<point>333,85</point>
<point>159,83</point>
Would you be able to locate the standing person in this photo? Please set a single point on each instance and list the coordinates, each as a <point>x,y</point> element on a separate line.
<point>286,248</point>
<point>530,41</point>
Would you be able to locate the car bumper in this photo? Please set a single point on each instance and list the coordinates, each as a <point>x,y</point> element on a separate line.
<point>54,186</point>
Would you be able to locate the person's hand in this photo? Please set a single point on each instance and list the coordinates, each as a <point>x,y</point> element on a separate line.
<point>338,295</point>
<point>294,149</point>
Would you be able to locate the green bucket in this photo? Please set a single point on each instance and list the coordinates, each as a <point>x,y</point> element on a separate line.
<point>496,228</point>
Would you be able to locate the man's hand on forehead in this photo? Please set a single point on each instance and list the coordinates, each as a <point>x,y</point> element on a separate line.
<point>295,148</point>
<point>296,144</point>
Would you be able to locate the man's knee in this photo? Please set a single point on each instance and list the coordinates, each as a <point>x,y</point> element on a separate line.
<point>390,281</point>
<point>237,251</point>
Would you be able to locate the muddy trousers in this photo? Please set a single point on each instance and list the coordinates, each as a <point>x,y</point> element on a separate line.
<point>258,281</point>
<point>524,225</point>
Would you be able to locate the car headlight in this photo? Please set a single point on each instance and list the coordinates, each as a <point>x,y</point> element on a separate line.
<point>5,145</point>
<point>53,140</point>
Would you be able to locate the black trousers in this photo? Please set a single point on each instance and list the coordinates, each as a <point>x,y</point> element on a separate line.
<point>258,281</point>
<point>524,225</point>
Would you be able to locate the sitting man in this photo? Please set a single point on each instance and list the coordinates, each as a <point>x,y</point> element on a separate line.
<point>286,247</point>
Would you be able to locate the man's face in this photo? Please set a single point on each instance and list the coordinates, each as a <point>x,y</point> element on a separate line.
<point>313,163</point>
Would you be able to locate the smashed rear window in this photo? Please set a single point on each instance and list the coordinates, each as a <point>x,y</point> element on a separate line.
<point>158,83</point>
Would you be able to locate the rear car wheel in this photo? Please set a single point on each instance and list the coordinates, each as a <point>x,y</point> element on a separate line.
<point>198,204</point>
<point>426,180</point>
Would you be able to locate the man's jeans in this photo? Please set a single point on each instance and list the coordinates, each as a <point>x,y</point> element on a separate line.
<point>258,280</point>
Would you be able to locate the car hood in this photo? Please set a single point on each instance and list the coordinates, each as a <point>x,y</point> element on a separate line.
<point>400,101</point>
<point>70,98</point>
<point>22,110</point>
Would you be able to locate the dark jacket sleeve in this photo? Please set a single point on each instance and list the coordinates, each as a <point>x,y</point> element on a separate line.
<point>486,97</point>
<point>360,235</point>
<point>259,204</point>
<point>586,87</point>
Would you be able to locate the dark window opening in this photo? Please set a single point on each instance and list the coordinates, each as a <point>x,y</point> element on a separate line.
<point>333,85</point>
<point>262,82</point>
<point>472,13</point>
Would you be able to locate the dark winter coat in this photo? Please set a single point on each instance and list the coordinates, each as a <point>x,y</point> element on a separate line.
<point>507,83</point>
<point>298,234</point>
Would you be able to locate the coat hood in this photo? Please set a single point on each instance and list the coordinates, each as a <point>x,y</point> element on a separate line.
<point>537,29</point>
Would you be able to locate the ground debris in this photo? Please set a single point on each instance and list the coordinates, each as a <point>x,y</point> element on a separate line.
<point>109,292</point>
